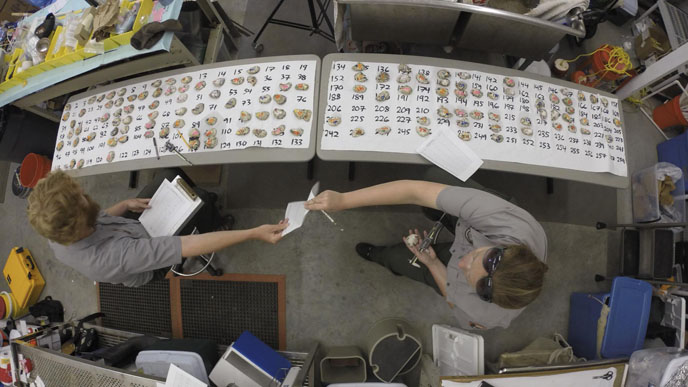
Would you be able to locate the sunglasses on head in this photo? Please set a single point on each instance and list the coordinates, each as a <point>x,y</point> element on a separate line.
<point>490,261</point>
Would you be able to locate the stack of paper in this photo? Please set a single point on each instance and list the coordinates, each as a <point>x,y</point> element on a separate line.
<point>296,213</point>
<point>171,207</point>
<point>448,152</point>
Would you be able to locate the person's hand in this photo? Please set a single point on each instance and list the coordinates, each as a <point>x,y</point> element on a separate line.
<point>327,201</point>
<point>271,233</point>
<point>137,205</point>
<point>427,257</point>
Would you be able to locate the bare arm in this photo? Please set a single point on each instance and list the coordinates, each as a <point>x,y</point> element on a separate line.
<point>193,245</point>
<point>133,205</point>
<point>422,193</point>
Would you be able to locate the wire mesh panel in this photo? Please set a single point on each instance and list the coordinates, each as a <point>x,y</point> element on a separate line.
<point>145,309</point>
<point>222,310</point>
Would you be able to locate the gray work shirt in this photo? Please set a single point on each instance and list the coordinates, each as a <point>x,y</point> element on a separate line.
<point>484,220</point>
<point>119,251</point>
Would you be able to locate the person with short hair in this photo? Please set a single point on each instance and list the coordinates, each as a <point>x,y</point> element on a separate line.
<point>492,270</point>
<point>106,246</point>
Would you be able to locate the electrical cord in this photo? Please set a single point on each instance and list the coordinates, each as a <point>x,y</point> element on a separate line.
<point>208,260</point>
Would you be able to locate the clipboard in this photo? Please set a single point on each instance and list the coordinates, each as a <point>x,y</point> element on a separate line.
<point>172,206</point>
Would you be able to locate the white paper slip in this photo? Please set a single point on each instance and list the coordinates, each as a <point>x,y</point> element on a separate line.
<point>171,207</point>
<point>448,152</point>
<point>296,213</point>
<point>177,377</point>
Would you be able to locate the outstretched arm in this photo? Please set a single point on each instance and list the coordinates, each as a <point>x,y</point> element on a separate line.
<point>193,245</point>
<point>422,193</point>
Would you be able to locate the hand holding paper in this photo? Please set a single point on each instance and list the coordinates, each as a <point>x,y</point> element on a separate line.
<point>296,212</point>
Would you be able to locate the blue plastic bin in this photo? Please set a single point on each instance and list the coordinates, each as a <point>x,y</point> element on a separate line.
<point>675,151</point>
<point>629,311</point>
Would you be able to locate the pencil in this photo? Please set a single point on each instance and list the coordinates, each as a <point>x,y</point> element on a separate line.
<point>183,139</point>
<point>328,216</point>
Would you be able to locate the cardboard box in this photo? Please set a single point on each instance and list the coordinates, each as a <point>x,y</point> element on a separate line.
<point>652,42</point>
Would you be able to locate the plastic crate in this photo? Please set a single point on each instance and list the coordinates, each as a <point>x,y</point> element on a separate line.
<point>646,206</point>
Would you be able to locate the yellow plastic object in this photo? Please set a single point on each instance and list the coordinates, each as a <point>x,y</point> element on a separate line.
<point>141,19</point>
<point>23,277</point>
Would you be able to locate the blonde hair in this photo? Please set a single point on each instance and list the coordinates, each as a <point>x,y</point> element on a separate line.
<point>57,209</point>
<point>518,279</point>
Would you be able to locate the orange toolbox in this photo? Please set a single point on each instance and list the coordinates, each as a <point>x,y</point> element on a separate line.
<point>23,277</point>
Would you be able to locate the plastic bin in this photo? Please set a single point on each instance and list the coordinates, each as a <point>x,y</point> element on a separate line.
<point>457,352</point>
<point>626,324</point>
<point>654,366</point>
<point>675,151</point>
<point>393,348</point>
<point>646,207</point>
<point>343,365</point>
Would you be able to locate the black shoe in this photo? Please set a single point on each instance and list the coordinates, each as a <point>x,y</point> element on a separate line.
<point>365,250</point>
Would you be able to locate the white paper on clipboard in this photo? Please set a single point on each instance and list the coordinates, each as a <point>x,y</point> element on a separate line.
<point>445,150</point>
<point>171,207</point>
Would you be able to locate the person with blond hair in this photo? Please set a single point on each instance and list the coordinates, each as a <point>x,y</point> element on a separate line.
<point>106,246</point>
<point>491,271</point>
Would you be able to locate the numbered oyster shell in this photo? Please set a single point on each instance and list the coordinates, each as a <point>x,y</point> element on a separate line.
<point>382,96</point>
<point>334,121</point>
<point>194,144</point>
<point>110,156</point>
<point>360,77</point>
<point>617,122</point>
<point>127,120</point>
<point>114,131</point>
<point>215,94</point>
<point>404,78</point>
<point>509,92</point>
<point>183,88</point>
<point>122,91</point>
<point>357,132</point>
<point>157,92</point>
<point>278,131</point>
<point>527,131</point>
<point>100,98</point>
<point>244,116</point>
<point>557,126</point>
<point>422,131</point>
<point>301,86</point>
<point>476,115</point>
<point>124,129</point>
<point>105,117</point>
<point>212,120</point>
<point>509,82</point>
<point>251,80</point>
<point>405,90</point>
<point>212,132</point>
<point>243,131</point>
<point>443,112</point>
<point>460,94</point>
<point>198,109</point>
<point>422,79</point>
<point>170,81</point>
<point>92,100</point>
<point>443,74</point>
<point>382,77</point>
<point>542,113</point>
<point>178,124</point>
<point>555,114</point>
<point>359,88</point>
<point>593,99</point>
<point>554,98</point>
<point>496,137</point>
<point>280,99</point>
<point>181,98</point>
<point>111,142</point>
<point>496,128</point>
<point>123,139</point>
<point>143,95</point>
<point>460,113</point>
<point>492,95</point>
<point>581,96</point>
<point>70,134</point>
<point>279,113</point>
<point>463,123</point>
<point>464,75</point>
<point>149,124</point>
<point>237,81</point>
<point>194,134</point>
<point>443,82</point>
<point>263,115</point>
<point>303,114</point>
<point>59,146</point>
<point>156,83</point>
<point>180,112</point>
<point>296,132</point>
<point>260,133</point>
<point>119,101</point>
<point>230,103</point>
<point>526,121</point>
<point>164,132</point>
<point>72,163</point>
<point>477,93</point>
<point>210,142</point>
<point>253,70</point>
<point>131,98</point>
<point>442,91</point>
<point>585,131</point>
<point>200,85</point>
<point>492,116</point>
<point>466,136</point>
<point>109,104</point>
<point>424,121</point>
<point>117,113</point>
<point>571,128</point>
<point>404,68</point>
<point>567,101</point>
<point>285,86</point>
<point>570,110</point>
<point>461,85</point>
<point>219,82</point>
<point>584,121</point>
<point>567,118</point>
<point>89,137</point>
<point>359,67</point>
<point>153,105</point>
<point>265,98</point>
<point>111,95</point>
<point>383,130</point>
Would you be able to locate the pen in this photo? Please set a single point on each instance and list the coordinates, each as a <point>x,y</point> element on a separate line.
<point>155,144</point>
<point>328,216</point>
<point>170,147</point>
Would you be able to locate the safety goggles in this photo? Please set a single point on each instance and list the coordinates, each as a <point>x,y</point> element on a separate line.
<point>490,261</point>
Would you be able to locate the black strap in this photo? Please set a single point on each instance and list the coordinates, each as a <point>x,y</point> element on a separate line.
<point>80,326</point>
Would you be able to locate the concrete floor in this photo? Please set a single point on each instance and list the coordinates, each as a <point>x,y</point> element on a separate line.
<point>332,295</point>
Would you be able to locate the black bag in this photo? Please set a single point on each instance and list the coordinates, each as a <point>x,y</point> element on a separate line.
<point>48,307</point>
<point>86,340</point>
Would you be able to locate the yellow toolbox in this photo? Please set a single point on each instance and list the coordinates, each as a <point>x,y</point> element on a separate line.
<point>23,277</point>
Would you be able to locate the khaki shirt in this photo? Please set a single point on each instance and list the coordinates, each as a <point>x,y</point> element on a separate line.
<point>119,251</point>
<point>484,220</point>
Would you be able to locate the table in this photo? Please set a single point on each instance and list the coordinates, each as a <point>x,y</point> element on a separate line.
<point>121,62</point>
<point>212,157</point>
<point>606,179</point>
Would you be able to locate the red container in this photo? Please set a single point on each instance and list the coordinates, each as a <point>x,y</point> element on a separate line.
<point>33,168</point>
<point>669,114</point>
<point>592,72</point>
